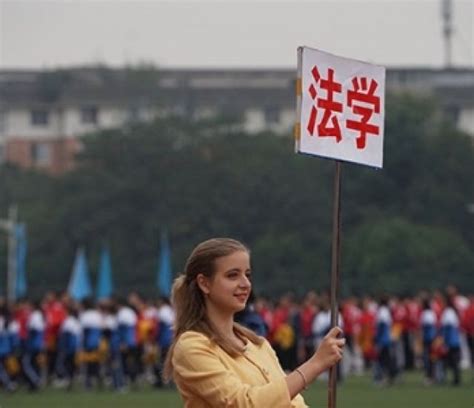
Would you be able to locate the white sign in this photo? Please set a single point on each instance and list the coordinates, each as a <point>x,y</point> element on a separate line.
<point>340,108</point>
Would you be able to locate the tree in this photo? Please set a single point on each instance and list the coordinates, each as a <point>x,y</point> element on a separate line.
<point>210,178</point>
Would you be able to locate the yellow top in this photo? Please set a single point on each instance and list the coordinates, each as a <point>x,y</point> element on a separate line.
<point>207,376</point>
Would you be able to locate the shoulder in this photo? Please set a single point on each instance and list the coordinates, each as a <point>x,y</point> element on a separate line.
<point>127,315</point>
<point>449,317</point>
<point>166,314</point>
<point>194,351</point>
<point>192,339</point>
<point>36,321</point>
<point>383,315</point>
<point>266,348</point>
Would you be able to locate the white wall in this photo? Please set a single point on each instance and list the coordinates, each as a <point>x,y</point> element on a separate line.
<point>18,124</point>
<point>65,122</point>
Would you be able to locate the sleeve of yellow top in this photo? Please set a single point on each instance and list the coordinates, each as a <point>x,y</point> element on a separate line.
<point>205,376</point>
<point>272,353</point>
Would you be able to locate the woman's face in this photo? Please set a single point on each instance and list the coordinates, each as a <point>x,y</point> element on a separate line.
<point>229,288</point>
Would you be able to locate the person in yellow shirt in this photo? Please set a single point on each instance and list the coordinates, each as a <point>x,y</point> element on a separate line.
<point>216,362</point>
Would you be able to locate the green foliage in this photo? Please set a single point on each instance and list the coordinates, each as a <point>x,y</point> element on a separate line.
<point>394,255</point>
<point>404,227</point>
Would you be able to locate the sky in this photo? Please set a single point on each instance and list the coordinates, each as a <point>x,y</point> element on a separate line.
<point>217,34</point>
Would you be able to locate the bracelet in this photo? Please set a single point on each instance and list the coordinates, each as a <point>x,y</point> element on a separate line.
<point>305,386</point>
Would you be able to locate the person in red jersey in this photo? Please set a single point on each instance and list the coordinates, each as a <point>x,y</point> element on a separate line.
<point>308,312</point>
<point>399,313</point>
<point>351,315</point>
<point>468,324</point>
<point>54,313</point>
<point>367,331</point>
<point>437,304</point>
<point>411,326</point>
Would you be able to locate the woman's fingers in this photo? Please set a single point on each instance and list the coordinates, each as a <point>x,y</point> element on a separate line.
<point>334,332</point>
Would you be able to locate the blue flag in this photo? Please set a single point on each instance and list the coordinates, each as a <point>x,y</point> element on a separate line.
<point>21,247</point>
<point>104,281</point>
<point>79,285</point>
<point>164,271</point>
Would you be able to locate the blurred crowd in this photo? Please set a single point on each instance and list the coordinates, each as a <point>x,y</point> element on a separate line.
<point>121,343</point>
<point>386,336</point>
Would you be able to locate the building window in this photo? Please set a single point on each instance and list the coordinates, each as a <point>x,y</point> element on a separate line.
<point>40,153</point>
<point>89,115</point>
<point>39,117</point>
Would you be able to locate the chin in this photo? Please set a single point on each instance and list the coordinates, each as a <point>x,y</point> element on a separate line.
<point>241,307</point>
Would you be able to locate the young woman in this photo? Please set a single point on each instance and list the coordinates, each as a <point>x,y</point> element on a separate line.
<point>218,363</point>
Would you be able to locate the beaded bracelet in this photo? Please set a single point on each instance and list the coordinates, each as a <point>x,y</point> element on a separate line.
<point>305,387</point>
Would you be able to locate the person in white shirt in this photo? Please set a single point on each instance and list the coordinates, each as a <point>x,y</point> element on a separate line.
<point>428,323</point>
<point>92,326</point>
<point>36,326</point>
<point>165,318</point>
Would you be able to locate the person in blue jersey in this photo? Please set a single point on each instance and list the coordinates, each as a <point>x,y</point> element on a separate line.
<point>383,342</point>
<point>251,319</point>
<point>428,326</point>
<point>113,363</point>
<point>127,327</point>
<point>91,323</point>
<point>5,347</point>
<point>165,318</point>
<point>70,334</point>
<point>16,347</point>
<point>36,326</point>
<point>452,340</point>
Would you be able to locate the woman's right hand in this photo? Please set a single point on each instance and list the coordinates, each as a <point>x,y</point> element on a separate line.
<point>330,350</point>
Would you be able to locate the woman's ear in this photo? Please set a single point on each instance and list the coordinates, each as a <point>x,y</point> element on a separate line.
<point>203,283</point>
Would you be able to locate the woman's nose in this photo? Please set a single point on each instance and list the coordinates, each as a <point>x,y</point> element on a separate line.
<point>244,282</point>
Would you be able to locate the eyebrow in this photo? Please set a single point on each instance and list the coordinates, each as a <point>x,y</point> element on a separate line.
<point>237,270</point>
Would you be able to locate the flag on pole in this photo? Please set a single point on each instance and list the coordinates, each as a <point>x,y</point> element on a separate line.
<point>21,248</point>
<point>104,282</point>
<point>79,284</point>
<point>164,271</point>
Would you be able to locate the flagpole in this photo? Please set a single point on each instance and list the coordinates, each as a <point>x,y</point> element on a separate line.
<point>8,225</point>
<point>336,249</point>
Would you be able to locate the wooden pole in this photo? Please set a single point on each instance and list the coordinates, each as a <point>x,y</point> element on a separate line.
<point>336,233</point>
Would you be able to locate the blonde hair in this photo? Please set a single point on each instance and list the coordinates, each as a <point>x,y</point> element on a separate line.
<point>188,299</point>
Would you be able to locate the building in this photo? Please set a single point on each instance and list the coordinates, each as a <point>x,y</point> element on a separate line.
<point>43,114</point>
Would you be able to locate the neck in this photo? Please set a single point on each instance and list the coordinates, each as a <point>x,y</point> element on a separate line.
<point>222,320</point>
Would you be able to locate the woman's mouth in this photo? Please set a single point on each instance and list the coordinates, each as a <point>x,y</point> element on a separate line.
<point>242,297</point>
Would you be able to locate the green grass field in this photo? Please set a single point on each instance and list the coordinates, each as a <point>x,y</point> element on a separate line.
<point>353,393</point>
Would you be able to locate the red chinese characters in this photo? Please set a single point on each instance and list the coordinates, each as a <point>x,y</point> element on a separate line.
<point>329,106</point>
<point>326,111</point>
<point>364,102</point>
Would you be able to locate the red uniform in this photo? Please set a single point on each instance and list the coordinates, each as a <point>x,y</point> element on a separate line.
<point>468,320</point>
<point>306,320</point>
<point>55,314</point>
<point>351,316</point>
<point>412,317</point>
